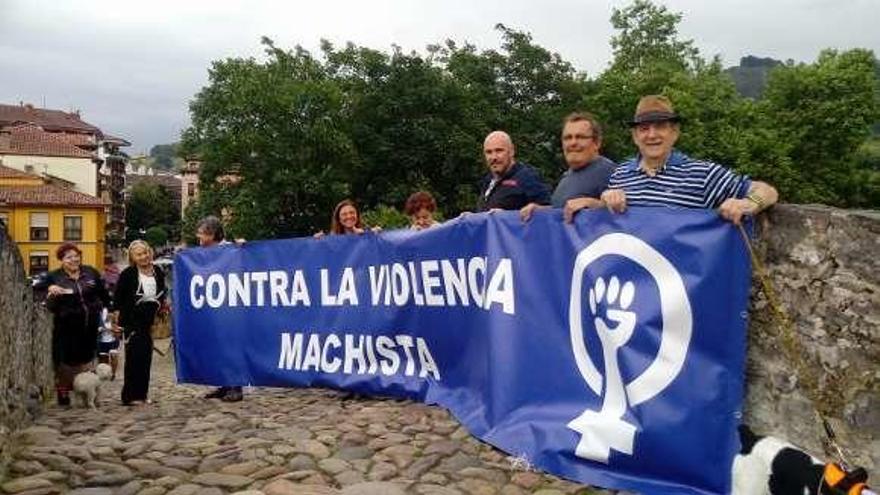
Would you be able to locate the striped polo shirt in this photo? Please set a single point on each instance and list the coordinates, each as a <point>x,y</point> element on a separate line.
<point>680,182</point>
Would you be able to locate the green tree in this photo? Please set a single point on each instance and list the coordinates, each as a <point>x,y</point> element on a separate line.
<point>719,124</point>
<point>150,205</point>
<point>285,138</point>
<point>523,89</point>
<point>156,236</point>
<point>386,217</point>
<point>825,110</point>
<point>273,141</point>
<point>164,155</point>
<point>649,58</point>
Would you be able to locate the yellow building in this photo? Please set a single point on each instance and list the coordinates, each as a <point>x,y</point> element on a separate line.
<point>40,217</point>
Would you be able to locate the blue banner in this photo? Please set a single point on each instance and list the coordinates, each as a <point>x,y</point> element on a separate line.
<point>609,351</point>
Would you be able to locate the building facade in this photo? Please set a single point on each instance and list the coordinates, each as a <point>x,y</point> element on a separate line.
<point>30,149</point>
<point>68,152</point>
<point>189,184</point>
<point>40,216</point>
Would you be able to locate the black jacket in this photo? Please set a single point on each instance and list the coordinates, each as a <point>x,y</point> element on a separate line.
<point>519,186</point>
<point>76,315</point>
<point>135,312</point>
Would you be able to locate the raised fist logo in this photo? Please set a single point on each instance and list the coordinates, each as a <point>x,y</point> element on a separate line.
<point>605,430</point>
<point>614,322</point>
<point>615,297</point>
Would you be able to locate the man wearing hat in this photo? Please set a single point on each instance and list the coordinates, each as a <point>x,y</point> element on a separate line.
<point>660,175</point>
<point>588,171</point>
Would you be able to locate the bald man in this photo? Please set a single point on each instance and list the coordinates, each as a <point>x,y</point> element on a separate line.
<point>509,185</point>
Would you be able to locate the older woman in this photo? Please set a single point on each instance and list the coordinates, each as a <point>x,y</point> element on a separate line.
<point>209,232</point>
<point>140,293</point>
<point>76,295</point>
<point>420,208</point>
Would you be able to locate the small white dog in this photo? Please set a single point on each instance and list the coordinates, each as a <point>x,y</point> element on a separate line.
<point>86,385</point>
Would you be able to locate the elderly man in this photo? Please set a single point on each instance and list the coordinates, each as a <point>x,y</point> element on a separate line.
<point>588,171</point>
<point>661,175</point>
<point>509,185</point>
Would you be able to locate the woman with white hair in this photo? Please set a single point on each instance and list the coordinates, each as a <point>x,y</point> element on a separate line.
<point>140,293</point>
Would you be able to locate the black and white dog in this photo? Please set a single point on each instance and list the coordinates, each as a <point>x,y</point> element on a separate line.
<point>770,466</point>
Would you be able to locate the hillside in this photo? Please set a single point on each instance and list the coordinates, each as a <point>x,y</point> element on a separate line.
<point>750,76</point>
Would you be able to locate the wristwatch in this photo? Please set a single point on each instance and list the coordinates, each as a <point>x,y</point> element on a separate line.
<point>757,200</point>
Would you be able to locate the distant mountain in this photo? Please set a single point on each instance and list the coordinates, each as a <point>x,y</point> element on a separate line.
<point>750,76</point>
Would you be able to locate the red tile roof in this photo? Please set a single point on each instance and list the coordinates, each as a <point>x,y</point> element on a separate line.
<point>11,173</point>
<point>32,140</point>
<point>81,140</point>
<point>46,195</point>
<point>51,120</point>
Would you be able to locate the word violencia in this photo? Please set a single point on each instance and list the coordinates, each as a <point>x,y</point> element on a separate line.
<point>465,282</point>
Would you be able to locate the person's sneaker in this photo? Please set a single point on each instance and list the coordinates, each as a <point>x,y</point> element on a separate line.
<point>217,393</point>
<point>234,394</point>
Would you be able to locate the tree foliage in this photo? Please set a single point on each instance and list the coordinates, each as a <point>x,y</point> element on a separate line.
<point>284,138</point>
<point>165,156</point>
<point>150,205</point>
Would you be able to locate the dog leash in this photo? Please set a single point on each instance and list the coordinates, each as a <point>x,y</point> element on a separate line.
<point>793,349</point>
<point>839,476</point>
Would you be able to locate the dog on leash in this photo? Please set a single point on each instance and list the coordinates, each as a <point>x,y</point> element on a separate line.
<point>87,385</point>
<point>770,466</point>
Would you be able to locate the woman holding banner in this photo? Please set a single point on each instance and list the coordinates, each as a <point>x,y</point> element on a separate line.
<point>346,219</point>
<point>420,208</point>
<point>209,232</point>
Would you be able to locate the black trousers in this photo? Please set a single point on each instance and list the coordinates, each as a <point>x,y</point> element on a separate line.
<point>138,360</point>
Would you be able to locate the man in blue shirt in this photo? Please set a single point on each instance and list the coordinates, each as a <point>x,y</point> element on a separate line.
<point>662,176</point>
<point>509,185</point>
<point>588,171</point>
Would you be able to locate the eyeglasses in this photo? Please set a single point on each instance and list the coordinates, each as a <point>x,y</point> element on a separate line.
<point>577,136</point>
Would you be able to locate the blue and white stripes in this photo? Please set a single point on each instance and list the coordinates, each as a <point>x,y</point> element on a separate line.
<point>681,182</point>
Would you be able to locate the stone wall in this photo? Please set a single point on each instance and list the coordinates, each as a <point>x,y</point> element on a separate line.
<point>824,265</point>
<point>25,343</point>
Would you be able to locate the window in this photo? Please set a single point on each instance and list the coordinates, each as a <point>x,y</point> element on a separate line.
<point>39,262</point>
<point>39,226</point>
<point>190,190</point>
<point>73,225</point>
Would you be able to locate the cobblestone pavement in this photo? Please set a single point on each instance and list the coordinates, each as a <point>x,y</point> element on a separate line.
<point>276,441</point>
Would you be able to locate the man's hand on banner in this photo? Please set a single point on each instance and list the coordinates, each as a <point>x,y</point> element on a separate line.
<point>615,200</point>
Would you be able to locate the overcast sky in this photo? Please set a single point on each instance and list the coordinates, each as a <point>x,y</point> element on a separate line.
<point>132,67</point>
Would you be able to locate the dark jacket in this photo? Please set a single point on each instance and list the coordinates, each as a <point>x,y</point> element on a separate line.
<point>136,313</point>
<point>76,315</point>
<point>519,186</point>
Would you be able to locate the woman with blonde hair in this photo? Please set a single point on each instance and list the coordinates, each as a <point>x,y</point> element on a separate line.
<point>140,293</point>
